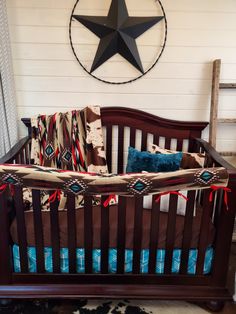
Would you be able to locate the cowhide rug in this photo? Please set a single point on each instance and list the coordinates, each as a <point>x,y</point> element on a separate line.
<point>101,307</point>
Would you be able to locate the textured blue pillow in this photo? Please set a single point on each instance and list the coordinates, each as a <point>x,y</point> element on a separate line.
<point>145,161</point>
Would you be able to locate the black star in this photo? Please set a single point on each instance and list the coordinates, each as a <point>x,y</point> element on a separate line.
<point>117,33</point>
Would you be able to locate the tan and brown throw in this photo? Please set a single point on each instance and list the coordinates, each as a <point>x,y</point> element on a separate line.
<point>68,141</point>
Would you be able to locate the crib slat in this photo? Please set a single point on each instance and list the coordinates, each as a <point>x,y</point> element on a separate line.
<point>219,199</point>
<point>38,230</point>
<point>121,235</point>
<point>104,236</point>
<point>27,154</point>
<point>109,146</point>
<point>204,231</point>
<point>138,217</point>
<point>132,136</point>
<point>156,139</point>
<point>71,228</point>
<point>187,234</point>
<point>88,233</point>
<point>170,234</point>
<point>154,236</point>
<point>120,160</point>
<point>144,141</point>
<point>18,160</point>
<point>167,143</point>
<point>5,266</point>
<point>55,235</point>
<point>22,157</point>
<point>21,229</point>
<point>179,146</point>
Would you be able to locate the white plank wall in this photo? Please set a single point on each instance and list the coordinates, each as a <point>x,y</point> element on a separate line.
<point>49,79</point>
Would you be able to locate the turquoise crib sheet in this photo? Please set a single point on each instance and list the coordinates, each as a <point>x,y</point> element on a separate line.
<point>80,258</point>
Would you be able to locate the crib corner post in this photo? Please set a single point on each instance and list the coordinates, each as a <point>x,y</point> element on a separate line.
<point>224,234</point>
<point>5,256</point>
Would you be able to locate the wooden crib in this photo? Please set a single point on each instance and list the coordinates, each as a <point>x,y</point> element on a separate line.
<point>119,124</point>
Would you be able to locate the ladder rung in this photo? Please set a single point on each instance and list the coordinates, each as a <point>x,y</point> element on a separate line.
<point>227,86</point>
<point>228,154</point>
<point>228,120</point>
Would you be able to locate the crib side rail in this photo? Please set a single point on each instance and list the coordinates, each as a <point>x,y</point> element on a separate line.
<point>138,228</point>
<point>106,283</point>
<point>214,155</point>
<point>19,153</point>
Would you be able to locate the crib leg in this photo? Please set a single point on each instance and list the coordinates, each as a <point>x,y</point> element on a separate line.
<point>215,305</point>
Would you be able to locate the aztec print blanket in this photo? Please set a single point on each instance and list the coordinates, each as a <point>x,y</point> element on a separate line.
<point>68,141</point>
<point>137,184</point>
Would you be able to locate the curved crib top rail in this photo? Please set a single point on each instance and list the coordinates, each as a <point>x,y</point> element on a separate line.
<point>148,122</point>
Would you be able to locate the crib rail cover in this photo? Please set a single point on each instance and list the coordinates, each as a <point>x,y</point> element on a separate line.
<point>45,178</point>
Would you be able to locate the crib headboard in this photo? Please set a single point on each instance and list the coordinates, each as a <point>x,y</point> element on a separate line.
<point>126,126</point>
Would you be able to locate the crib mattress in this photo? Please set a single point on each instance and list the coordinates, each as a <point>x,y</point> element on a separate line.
<point>80,260</point>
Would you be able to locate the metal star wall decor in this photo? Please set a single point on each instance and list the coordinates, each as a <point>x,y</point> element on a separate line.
<point>117,33</point>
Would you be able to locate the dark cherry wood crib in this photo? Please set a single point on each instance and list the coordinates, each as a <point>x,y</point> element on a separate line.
<point>123,127</point>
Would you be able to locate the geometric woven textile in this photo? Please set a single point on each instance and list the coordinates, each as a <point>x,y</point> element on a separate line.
<point>79,183</point>
<point>68,141</point>
<point>205,177</point>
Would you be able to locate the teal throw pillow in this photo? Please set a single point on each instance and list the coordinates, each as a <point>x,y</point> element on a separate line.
<point>145,161</point>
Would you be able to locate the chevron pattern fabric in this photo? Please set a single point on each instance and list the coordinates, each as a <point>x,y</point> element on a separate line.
<point>80,260</point>
<point>8,130</point>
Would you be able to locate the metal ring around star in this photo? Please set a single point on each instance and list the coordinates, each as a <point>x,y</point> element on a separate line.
<point>136,78</point>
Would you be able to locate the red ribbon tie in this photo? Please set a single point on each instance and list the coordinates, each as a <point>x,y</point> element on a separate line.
<point>226,190</point>
<point>110,198</point>
<point>170,192</point>
<point>3,188</point>
<point>54,196</point>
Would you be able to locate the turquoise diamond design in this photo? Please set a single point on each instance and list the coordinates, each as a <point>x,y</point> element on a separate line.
<point>49,151</point>
<point>76,188</point>
<point>10,180</point>
<point>139,186</point>
<point>67,156</point>
<point>206,176</point>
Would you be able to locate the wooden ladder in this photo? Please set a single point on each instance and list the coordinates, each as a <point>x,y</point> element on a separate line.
<point>216,86</point>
